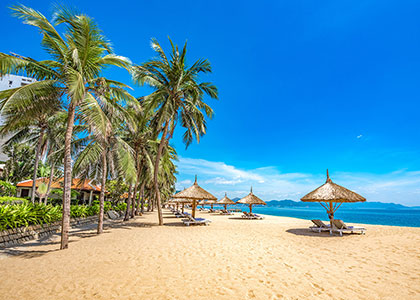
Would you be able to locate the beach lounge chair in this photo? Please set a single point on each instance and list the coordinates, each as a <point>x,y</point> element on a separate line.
<point>251,216</point>
<point>341,227</point>
<point>180,214</point>
<point>225,212</point>
<point>245,215</point>
<point>320,226</point>
<point>195,221</point>
<point>257,217</point>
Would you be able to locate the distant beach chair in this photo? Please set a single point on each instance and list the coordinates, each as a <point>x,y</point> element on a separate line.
<point>251,216</point>
<point>341,227</point>
<point>179,214</point>
<point>320,226</point>
<point>195,221</point>
<point>225,212</point>
<point>258,217</point>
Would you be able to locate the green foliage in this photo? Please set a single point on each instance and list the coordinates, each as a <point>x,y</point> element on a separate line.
<point>12,200</point>
<point>120,206</point>
<point>115,189</point>
<point>13,216</point>
<point>6,188</point>
<point>20,164</point>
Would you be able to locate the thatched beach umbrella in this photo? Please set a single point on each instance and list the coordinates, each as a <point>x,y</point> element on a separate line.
<point>251,199</point>
<point>333,195</point>
<point>194,193</point>
<point>225,201</point>
<point>181,201</point>
<point>211,202</point>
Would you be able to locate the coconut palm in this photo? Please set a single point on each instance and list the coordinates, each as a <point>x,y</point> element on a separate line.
<point>178,96</point>
<point>138,134</point>
<point>73,71</point>
<point>104,148</point>
<point>28,122</point>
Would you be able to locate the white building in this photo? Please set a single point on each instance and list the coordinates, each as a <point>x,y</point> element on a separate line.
<point>10,81</point>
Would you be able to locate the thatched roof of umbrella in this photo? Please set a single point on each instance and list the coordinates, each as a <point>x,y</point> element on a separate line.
<point>180,200</point>
<point>251,199</point>
<point>195,192</point>
<point>226,200</point>
<point>333,195</point>
<point>331,192</point>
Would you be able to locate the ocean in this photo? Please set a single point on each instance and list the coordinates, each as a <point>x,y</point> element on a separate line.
<point>393,217</point>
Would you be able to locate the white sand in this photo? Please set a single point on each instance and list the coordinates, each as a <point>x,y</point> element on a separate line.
<point>276,258</point>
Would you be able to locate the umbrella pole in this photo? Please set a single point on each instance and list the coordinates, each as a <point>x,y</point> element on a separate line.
<point>193,209</point>
<point>182,207</point>
<point>331,215</point>
<point>225,206</point>
<point>250,208</point>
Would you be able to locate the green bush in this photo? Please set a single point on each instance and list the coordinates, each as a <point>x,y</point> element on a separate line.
<point>13,216</point>
<point>6,188</point>
<point>12,200</point>
<point>120,207</point>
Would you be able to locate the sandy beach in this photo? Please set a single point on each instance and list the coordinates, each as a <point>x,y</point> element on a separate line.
<point>275,258</point>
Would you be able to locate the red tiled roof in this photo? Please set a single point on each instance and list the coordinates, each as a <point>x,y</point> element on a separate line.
<point>77,184</point>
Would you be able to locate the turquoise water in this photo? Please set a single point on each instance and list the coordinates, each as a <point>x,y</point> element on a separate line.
<point>394,217</point>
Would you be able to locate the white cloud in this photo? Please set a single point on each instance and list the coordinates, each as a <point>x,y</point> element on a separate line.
<point>400,186</point>
<point>360,136</point>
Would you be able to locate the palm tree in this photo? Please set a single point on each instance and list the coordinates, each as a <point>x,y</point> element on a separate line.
<point>138,135</point>
<point>73,72</point>
<point>29,122</point>
<point>178,96</point>
<point>104,148</point>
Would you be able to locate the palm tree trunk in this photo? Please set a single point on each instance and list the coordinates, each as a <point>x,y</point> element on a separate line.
<point>141,199</point>
<point>49,183</point>
<point>65,224</point>
<point>127,210</point>
<point>149,201</point>
<point>156,173</point>
<point>133,207</point>
<point>102,195</point>
<point>37,154</point>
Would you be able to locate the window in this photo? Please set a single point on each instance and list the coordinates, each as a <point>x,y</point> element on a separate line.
<point>10,83</point>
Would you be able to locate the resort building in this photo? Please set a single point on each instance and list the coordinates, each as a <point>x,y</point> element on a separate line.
<point>88,191</point>
<point>10,81</point>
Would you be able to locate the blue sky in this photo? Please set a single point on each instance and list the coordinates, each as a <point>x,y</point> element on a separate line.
<point>303,86</point>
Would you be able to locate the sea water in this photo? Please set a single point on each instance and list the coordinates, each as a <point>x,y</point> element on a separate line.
<point>394,217</point>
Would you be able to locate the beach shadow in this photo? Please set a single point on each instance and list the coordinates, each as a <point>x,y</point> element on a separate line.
<point>308,232</point>
<point>129,225</point>
<point>169,217</point>
<point>28,254</point>
<point>28,249</point>
<point>175,224</point>
<point>244,219</point>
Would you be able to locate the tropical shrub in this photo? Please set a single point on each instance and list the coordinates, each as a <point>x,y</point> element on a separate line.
<point>13,216</point>
<point>6,188</point>
<point>12,200</point>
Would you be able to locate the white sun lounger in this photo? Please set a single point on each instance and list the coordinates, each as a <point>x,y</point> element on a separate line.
<point>320,226</point>
<point>251,216</point>
<point>340,227</point>
<point>195,221</point>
